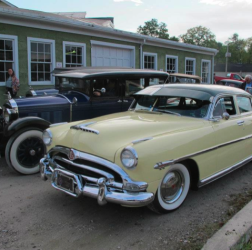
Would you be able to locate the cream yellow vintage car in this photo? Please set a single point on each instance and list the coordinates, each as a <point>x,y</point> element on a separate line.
<point>172,138</point>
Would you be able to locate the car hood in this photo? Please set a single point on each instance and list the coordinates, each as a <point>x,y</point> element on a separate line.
<point>103,136</point>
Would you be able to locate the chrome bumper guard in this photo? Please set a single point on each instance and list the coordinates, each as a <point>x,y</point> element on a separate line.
<point>99,191</point>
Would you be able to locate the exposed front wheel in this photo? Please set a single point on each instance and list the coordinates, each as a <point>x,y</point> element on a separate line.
<point>24,150</point>
<point>172,190</point>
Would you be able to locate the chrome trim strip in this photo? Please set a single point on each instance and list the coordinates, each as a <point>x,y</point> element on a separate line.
<point>64,97</point>
<point>224,172</point>
<point>141,140</point>
<point>80,155</point>
<point>14,105</point>
<point>110,177</point>
<point>162,165</point>
<point>84,128</point>
<point>57,124</point>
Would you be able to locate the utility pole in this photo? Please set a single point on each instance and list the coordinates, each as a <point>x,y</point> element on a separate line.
<point>227,56</point>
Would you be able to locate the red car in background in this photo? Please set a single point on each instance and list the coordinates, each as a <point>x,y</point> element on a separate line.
<point>232,76</point>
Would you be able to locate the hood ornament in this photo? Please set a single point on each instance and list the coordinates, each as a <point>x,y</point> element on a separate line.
<point>71,155</point>
<point>84,128</point>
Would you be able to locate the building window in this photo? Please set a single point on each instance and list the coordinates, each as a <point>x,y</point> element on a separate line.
<point>74,54</point>
<point>8,57</point>
<point>205,71</point>
<point>190,66</point>
<point>150,60</point>
<point>41,61</point>
<point>171,64</point>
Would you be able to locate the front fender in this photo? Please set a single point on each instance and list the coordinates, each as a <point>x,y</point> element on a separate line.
<point>31,121</point>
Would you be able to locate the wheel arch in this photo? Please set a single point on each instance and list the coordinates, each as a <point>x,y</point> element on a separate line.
<point>193,168</point>
<point>30,121</point>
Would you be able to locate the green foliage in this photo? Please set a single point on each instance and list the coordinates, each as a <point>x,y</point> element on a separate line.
<point>200,36</point>
<point>155,29</point>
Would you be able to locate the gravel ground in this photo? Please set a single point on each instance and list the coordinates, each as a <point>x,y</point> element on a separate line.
<point>33,215</point>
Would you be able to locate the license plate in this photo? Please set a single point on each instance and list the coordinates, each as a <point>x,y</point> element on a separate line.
<point>65,182</point>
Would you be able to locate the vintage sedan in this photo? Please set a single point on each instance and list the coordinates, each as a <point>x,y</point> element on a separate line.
<point>80,93</point>
<point>174,136</point>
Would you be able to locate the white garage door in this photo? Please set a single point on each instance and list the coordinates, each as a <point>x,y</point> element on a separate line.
<point>112,56</point>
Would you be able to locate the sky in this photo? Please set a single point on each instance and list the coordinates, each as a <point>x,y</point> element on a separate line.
<point>222,17</point>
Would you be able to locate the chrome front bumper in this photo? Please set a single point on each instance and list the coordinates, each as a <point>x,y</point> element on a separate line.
<point>100,191</point>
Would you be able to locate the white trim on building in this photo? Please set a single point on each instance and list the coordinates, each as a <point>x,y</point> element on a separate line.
<point>154,55</point>
<point>82,45</point>
<point>207,72</point>
<point>189,71</point>
<point>175,70</point>
<point>52,62</point>
<point>15,54</point>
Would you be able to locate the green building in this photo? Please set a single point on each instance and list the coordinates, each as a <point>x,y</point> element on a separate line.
<point>33,43</point>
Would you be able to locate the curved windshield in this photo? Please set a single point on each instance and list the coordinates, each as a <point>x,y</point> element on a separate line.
<point>182,106</point>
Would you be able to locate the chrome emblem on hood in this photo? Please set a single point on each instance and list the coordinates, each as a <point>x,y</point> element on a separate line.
<point>84,128</point>
<point>71,155</point>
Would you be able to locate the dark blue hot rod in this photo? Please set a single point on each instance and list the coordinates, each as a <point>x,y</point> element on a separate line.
<point>80,93</point>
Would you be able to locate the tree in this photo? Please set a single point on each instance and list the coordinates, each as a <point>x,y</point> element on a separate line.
<point>200,36</point>
<point>237,48</point>
<point>155,29</point>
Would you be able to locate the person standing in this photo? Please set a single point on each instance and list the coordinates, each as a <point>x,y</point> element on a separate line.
<point>12,83</point>
<point>248,83</point>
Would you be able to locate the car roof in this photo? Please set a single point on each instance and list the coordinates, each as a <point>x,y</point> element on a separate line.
<point>99,72</point>
<point>197,91</point>
<point>230,80</point>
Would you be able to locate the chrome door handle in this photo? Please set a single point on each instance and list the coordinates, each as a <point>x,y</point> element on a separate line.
<point>125,101</point>
<point>239,123</point>
<point>119,101</point>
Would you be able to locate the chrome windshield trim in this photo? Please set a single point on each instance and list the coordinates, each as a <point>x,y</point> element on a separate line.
<point>80,155</point>
<point>162,165</point>
<point>141,140</point>
<point>224,172</point>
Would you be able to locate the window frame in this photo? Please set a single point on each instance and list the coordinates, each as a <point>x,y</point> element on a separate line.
<point>84,53</point>
<point>150,54</point>
<point>194,64</point>
<point>209,70</point>
<point>52,44</point>
<point>15,54</point>
<point>176,63</point>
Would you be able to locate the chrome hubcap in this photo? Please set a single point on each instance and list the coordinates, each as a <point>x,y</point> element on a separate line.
<point>172,186</point>
<point>32,152</point>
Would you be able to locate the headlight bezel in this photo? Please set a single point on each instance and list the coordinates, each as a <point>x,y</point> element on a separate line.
<point>10,115</point>
<point>133,153</point>
<point>48,133</point>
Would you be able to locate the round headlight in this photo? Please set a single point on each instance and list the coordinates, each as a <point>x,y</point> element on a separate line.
<point>47,137</point>
<point>129,157</point>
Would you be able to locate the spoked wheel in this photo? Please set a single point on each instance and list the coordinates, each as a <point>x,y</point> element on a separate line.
<point>172,190</point>
<point>24,151</point>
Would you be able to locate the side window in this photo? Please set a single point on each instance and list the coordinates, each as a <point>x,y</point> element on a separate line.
<point>244,104</point>
<point>106,88</point>
<point>225,104</point>
<point>133,86</point>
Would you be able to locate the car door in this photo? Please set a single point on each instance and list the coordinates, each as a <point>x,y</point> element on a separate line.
<point>228,134</point>
<point>106,97</point>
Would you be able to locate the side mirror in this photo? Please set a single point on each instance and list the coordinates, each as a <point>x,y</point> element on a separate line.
<point>75,100</point>
<point>225,115</point>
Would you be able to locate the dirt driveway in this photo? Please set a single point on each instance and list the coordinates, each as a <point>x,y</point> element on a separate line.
<point>33,215</point>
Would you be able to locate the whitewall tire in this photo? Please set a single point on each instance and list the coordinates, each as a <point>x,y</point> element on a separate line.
<point>172,190</point>
<point>24,150</point>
